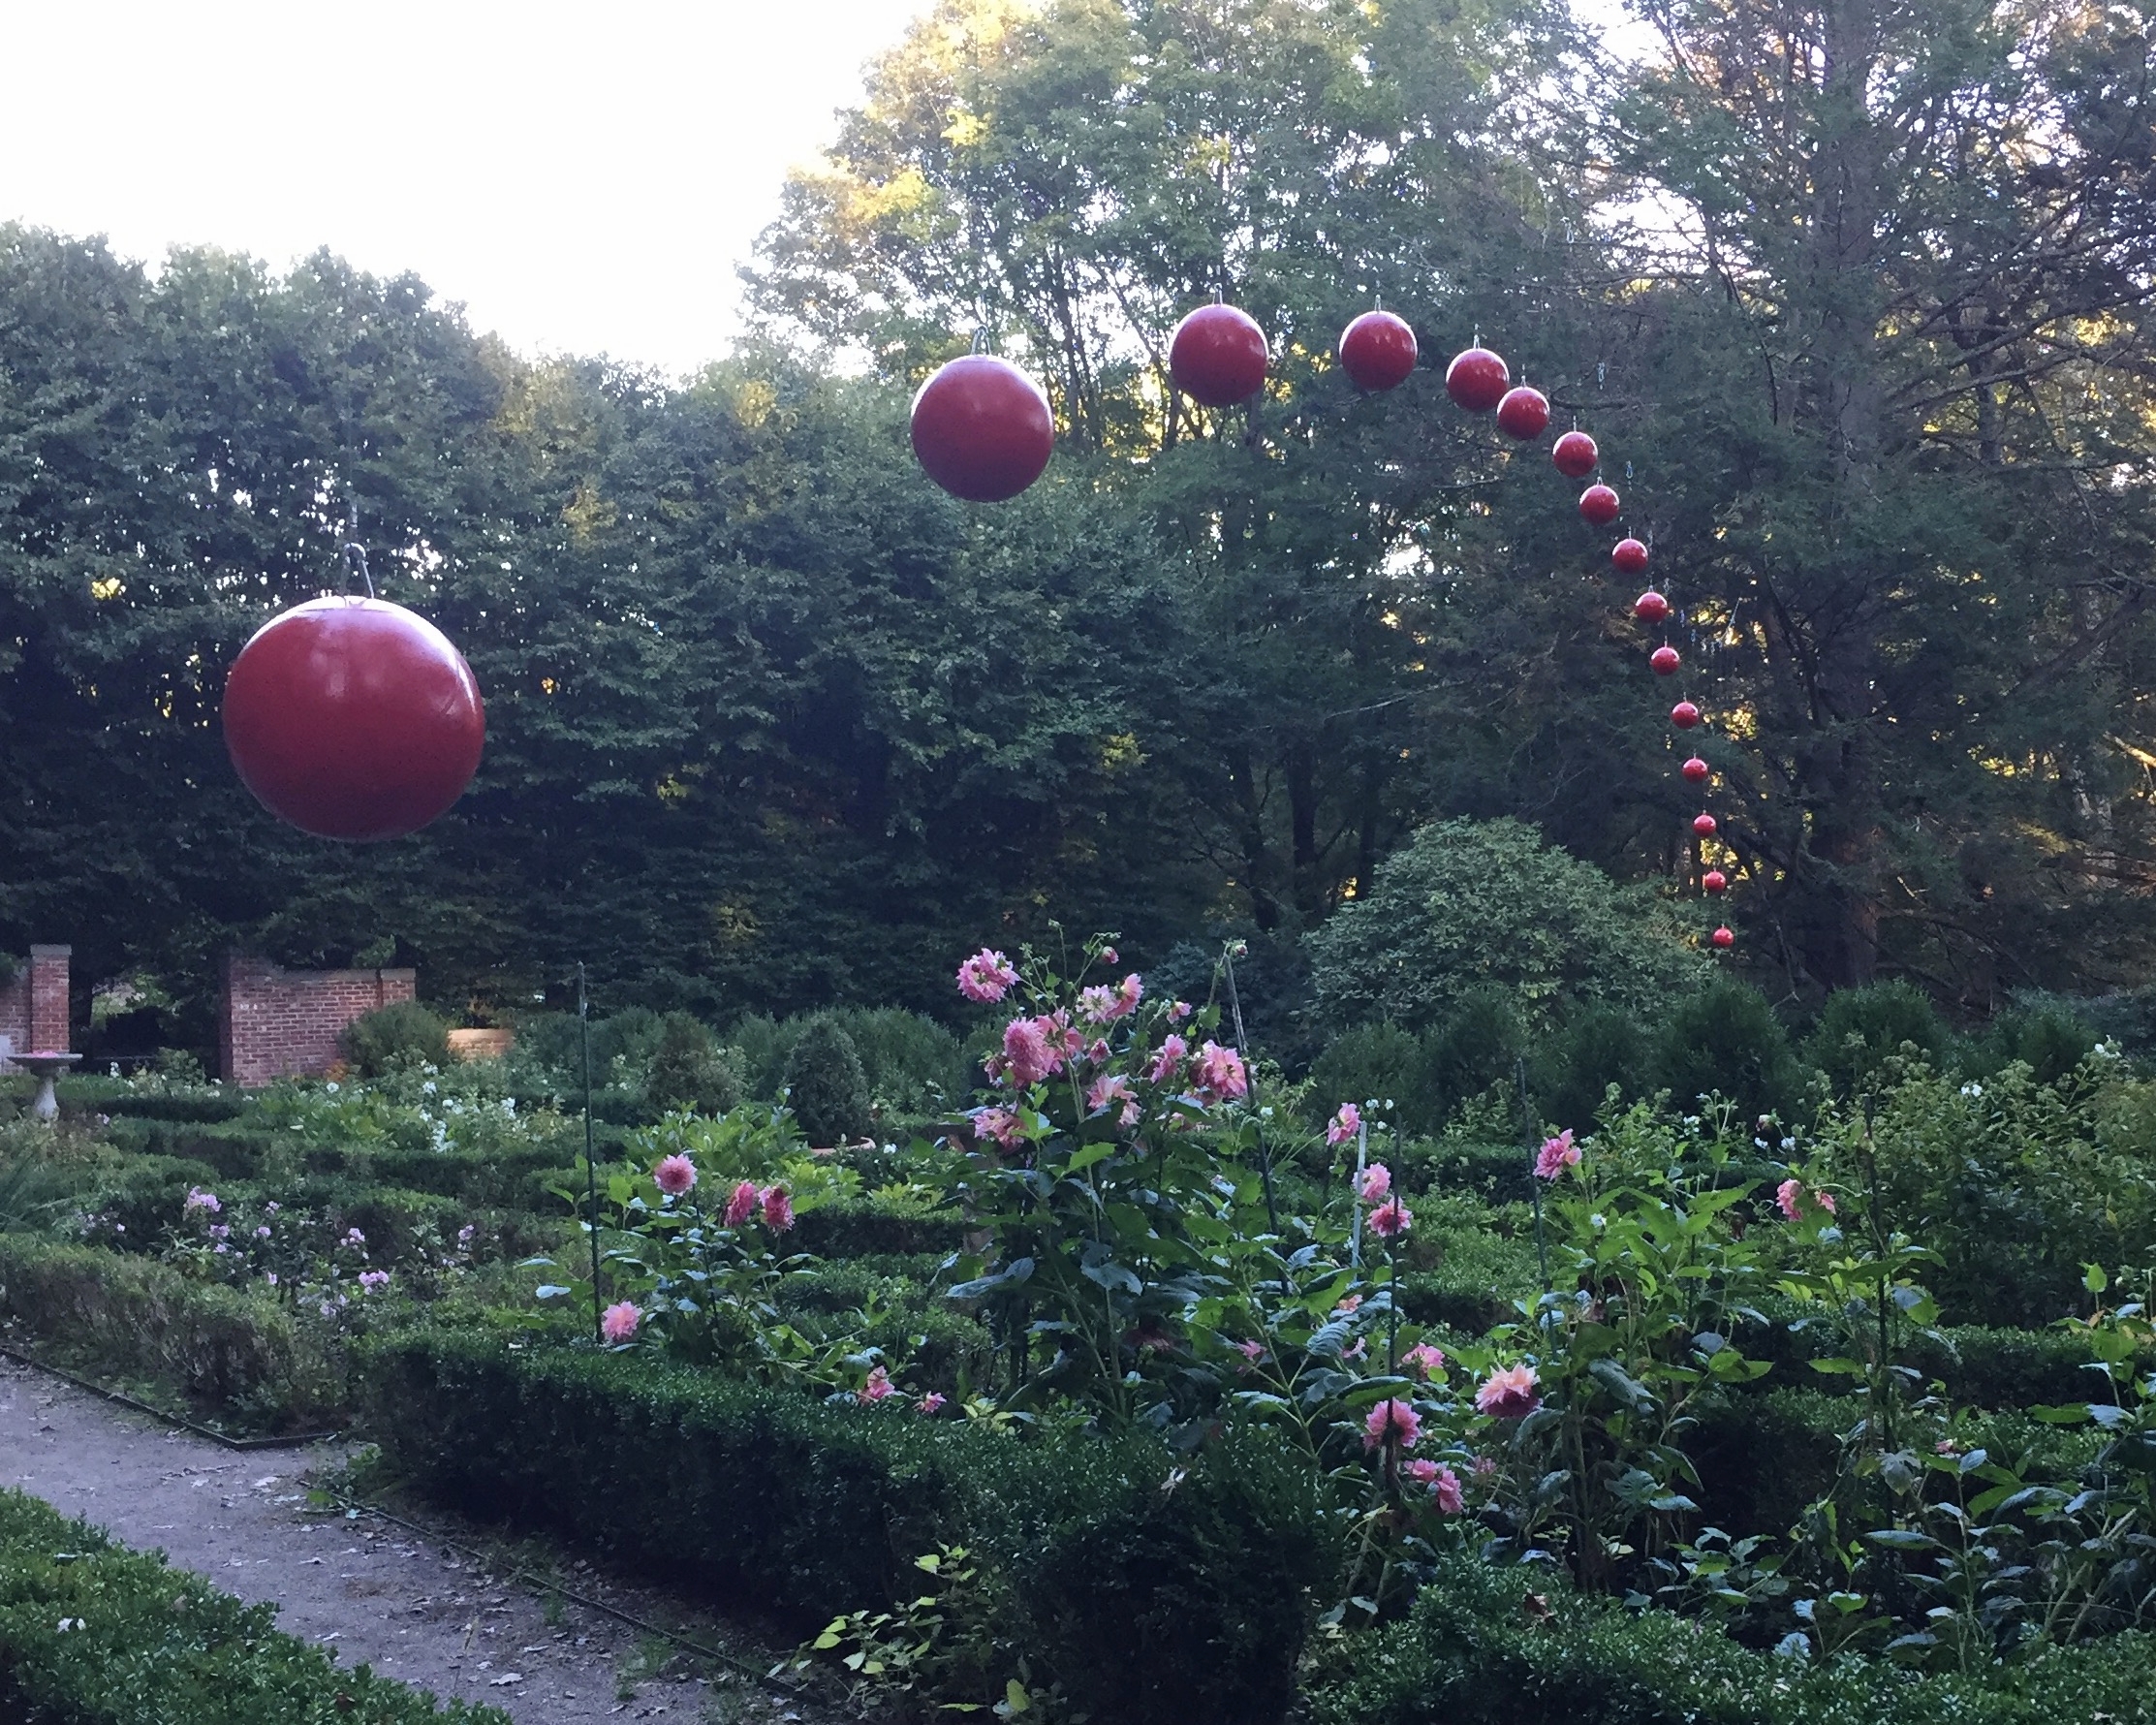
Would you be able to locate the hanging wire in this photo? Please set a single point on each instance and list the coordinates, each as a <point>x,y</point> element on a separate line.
<point>356,554</point>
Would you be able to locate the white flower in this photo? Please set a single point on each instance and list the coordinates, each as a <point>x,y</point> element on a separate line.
<point>331,1087</point>
<point>1972,1088</point>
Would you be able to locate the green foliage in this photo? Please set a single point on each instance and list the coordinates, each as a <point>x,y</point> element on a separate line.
<point>402,1031</point>
<point>1475,1046</point>
<point>1365,1064</point>
<point>2050,1040</point>
<point>826,1086</point>
<point>1726,1041</point>
<point>1473,906</point>
<point>94,1633</point>
<point>690,1071</point>
<point>1573,1068</point>
<point>1860,1028</point>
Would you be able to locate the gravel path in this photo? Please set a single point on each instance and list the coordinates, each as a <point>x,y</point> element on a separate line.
<point>372,1591</point>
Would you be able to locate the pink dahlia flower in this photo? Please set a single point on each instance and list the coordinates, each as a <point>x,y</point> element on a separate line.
<point>930,1403</point>
<point>1177,1013</point>
<point>1556,1156</point>
<point>1344,1125</point>
<point>675,1176</point>
<point>999,1124</point>
<point>1097,1005</point>
<point>1221,1074</point>
<point>879,1388</point>
<point>1376,1183</point>
<point>986,976</point>
<point>1509,1394</point>
<point>619,1322</point>
<point>742,1205</point>
<point>1251,1352</point>
<point>1027,1054</point>
<point>1423,1361</point>
<point>1451,1499</point>
<point>1391,1421</point>
<point>1172,1051</point>
<point>1792,1197</point>
<point>778,1209</point>
<point>1390,1220</point>
<point>1112,1090</point>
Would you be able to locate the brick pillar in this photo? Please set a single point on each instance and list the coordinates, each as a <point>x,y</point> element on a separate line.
<point>49,1000</point>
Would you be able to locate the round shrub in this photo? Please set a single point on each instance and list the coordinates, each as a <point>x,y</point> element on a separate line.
<point>825,1085</point>
<point>1859,1028</point>
<point>2050,1040</point>
<point>1573,1068</point>
<point>1472,1047</point>
<point>1726,1040</point>
<point>689,1070</point>
<point>402,1031</point>
<point>1367,1063</point>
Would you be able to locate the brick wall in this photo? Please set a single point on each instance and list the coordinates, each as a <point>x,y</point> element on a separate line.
<point>283,1023</point>
<point>34,1005</point>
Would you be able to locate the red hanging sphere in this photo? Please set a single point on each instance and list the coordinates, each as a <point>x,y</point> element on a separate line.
<point>1715,879</point>
<point>1378,350</point>
<point>1650,606</point>
<point>353,718</point>
<point>1665,661</point>
<point>1630,556</point>
<point>1218,356</point>
<point>1598,504</point>
<point>1575,455</point>
<point>1704,825</point>
<point>1696,770</point>
<point>1684,715</point>
<point>1523,413</point>
<point>1477,379</point>
<point>1724,938</point>
<point>981,429</point>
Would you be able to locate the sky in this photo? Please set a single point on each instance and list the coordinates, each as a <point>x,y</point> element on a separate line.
<point>585,179</point>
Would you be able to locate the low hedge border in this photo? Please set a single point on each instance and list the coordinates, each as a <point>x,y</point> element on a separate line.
<point>1151,1589</point>
<point>1485,1645</point>
<point>94,1633</point>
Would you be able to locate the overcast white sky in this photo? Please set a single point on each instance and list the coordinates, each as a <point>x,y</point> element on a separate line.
<point>585,178</point>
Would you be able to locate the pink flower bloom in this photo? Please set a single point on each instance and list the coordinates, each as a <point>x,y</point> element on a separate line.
<point>1110,1091</point>
<point>1509,1395</point>
<point>879,1388</point>
<point>986,976</point>
<point>1824,1200</point>
<point>1129,992</point>
<point>1096,1051</point>
<point>1482,1467</point>
<point>373,1281</point>
<point>1345,1124</point>
<point>999,1124</point>
<point>1422,1471</point>
<point>1177,1013</point>
<point>1172,1050</point>
<point>1359,1349</point>
<point>1390,1220</point>
<point>1792,1197</point>
<point>1391,1421</point>
<point>778,1209</point>
<point>1350,1304</point>
<point>1377,1182</point>
<point>742,1205</point>
<point>930,1403</point>
<point>262,1232</point>
<point>675,1176</point>
<point>619,1322</point>
<point>1097,1005</point>
<point>1109,956</point>
<point>1221,1074</point>
<point>1251,1352</point>
<point>354,1237</point>
<point>197,1199</point>
<point>1027,1055</point>
<point>1451,1499</point>
<point>1423,1361</point>
<point>1556,1156</point>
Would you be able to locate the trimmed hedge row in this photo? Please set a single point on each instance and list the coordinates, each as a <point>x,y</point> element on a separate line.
<point>1152,1589</point>
<point>1484,1645</point>
<point>94,1633</point>
<point>213,1344</point>
<point>512,1179</point>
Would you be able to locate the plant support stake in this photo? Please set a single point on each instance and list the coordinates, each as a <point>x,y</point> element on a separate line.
<point>591,1169</point>
<point>1526,1114</point>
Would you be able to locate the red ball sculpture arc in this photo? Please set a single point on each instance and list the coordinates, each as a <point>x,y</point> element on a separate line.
<point>1650,606</point>
<point>1628,556</point>
<point>1665,661</point>
<point>1724,938</point>
<point>1477,379</point>
<point>1696,770</point>
<point>1598,506</point>
<point>981,429</point>
<point>353,719</point>
<point>1575,454</point>
<point>1218,355</point>
<point>1684,715</point>
<point>1523,413</point>
<point>1378,350</point>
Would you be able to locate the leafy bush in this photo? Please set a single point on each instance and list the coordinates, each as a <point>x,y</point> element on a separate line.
<point>403,1031</point>
<point>1859,1028</point>
<point>1726,1040</point>
<point>825,1085</point>
<point>689,1070</point>
<point>2050,1040</point>
<point>1573,1068</point>
<point>1151,1594</point>
<point>1473,904</point>
<point>94,1633</point>
<point>1364,1063</point>
<point>1472,1047</point>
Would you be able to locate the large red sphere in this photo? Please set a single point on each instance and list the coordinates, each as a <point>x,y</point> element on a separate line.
<point>1696,770</point>
<point>1650,606</point>
<point>353,718</point>
<point>1724,938</point>
<point>1684,715</point>
<point>1665,661</point>
<point>1715,879</point>
<point>1630,556</point>
<point>1477,379</point>
<point>1218,356</point>
<point>1704,825</point>
<point>1523,413</point>
<point>1598,505</point>
<point>981,429</point>
<point>1378,350</point>
<point>1575,455</point>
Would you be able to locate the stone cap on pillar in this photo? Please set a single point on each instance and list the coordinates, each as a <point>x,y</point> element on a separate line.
<point>38,951</point>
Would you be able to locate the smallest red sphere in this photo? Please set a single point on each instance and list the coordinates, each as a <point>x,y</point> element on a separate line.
<point>1650,606</point>
<point>1704,825</point>
<point>1696,770</point>
<point>1630,556</point>
<point>1724,938</point>
<point>1575,454</point>
<point>1523,413</point>
<point>1684,715</point>
<point>1715,879</point>
<point>1665,661</point>
<point>1597,506</point>
<point>1477,379</point>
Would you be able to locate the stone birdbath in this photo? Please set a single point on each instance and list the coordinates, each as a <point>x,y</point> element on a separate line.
<point>46,1068</point>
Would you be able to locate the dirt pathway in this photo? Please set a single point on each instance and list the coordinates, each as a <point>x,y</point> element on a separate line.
<point>373,1592</point>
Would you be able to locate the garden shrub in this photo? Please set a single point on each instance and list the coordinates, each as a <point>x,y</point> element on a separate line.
<point>94,1633</point>
<point>1860,1028</point>
<point>1473,904</point>
<point>689,1070</point>
<point>1572,1069</point>
<point>1472,1047</point>
<point>826,1086</point>
<point>402,1031</point>
<point>2050,1040</point>
<point>1151,1594</point>
<point>1364,1063</point>
<point>1726,1041</point>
